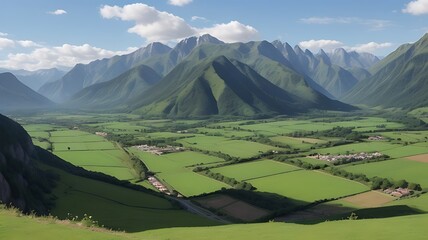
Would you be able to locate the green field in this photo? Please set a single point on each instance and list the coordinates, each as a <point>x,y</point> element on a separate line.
<point>308,186</point>
<point>359,147</point>
<point>118,207</point>
<point>176,170</point>
<point>301,143</point>
<point>234,148</point>
<point>409,227</point>
<point>396,169</point>
<point>83,149</point>
<point>191,184</point>
<point>253,170</point>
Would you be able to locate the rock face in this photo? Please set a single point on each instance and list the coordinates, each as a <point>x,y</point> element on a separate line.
<point>22,184</point>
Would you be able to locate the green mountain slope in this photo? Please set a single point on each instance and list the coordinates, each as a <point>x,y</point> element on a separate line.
<point>333,78</point>
<point>116,92</point>
<point>400,80</point>
<point>14,95</point>
<point>268,62</point>
<point>220,86</point>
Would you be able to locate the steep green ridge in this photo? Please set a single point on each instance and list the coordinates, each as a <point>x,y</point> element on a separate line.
<point>155,55</point>
<point>265,59</point>
<point>22,183</point>
<point>335,79</point>
<point>116,92</point>
<point>400,80</point>
<point>220,86</point>
<point>14,95</point>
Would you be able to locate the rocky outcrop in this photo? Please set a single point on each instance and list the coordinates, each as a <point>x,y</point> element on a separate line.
<point>22,184</point>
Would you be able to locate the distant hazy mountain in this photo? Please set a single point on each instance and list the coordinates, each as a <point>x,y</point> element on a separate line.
<point>399,80</point>
<point>117,92</point>
<point>219,86</point>
<point>15,95</point>
<point>322,68</point>
<point>84,75</point>
<point>352,59</point>
<point>35,79</point>
<point>156,55</point>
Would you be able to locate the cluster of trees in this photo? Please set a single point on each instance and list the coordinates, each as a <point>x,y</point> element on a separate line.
<point>351,176</point>
<point>230,181</point>
<point>409,121</point>
<point>139,168</point>
<point>350,160</point>
<point>384,183</point>
<point>300,163</point>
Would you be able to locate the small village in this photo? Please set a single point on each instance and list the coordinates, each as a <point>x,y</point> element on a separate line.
<point>348,157</point>
<point>159,150</point>
<point>398,193</point>
<point>101,134</point>
<point>158,185</point>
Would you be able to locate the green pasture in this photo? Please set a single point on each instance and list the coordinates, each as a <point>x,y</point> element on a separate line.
<point>308,186</point>
<point>254,170</point>
<point>234,148</point>
<point>82,146</point>
<point>189,183</point>
<point>301,143</point>
<point>174,161</point>
<point>117,207</point>
<point>396,169</point>
<point>226,132</point>
<point>359,147</point>
<point>174,169</point>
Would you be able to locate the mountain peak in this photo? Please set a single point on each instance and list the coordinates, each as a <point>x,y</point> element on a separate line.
<point>206,38</point>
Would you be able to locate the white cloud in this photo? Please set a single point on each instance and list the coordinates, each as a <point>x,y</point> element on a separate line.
<point>6,43</point>
<point>179,2</point>
<point>417,7</point>
<point>329,45</point>
<point>370,47</point>
<point>58,12</point>
<point>2,34</point>
<point>61,56</point>
<point>196,18</point>
<point>28,44</point>
<point>150,23</point>
<point>373,24</point>
<point>233,31</point>
<point>154,25</point>
<point>316,45</point>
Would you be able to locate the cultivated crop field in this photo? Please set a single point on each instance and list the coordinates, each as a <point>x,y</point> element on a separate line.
<point>263,153</point>
<point>254,170</point>
<point>234,148</point>
<point>308,186</point>
<point>396,169</point>
<point>113,206</point>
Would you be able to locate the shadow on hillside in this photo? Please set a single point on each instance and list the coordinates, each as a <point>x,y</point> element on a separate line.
<point>325,212</point>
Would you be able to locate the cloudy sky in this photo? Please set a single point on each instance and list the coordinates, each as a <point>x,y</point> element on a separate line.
<point>37,34</point>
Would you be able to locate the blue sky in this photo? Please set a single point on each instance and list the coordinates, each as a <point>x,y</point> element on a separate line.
<point>38,34</point>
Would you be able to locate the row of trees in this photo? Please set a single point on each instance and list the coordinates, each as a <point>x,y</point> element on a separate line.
<point>230,181</point>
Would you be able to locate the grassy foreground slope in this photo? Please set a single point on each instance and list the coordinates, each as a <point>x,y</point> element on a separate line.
<point>410,227</point>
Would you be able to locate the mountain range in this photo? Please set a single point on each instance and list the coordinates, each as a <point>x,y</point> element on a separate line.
<point>196,54</point>
<point>36,79</point>
<point>155,80</point>
<point>14,95</point>
<point>399,80</point>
